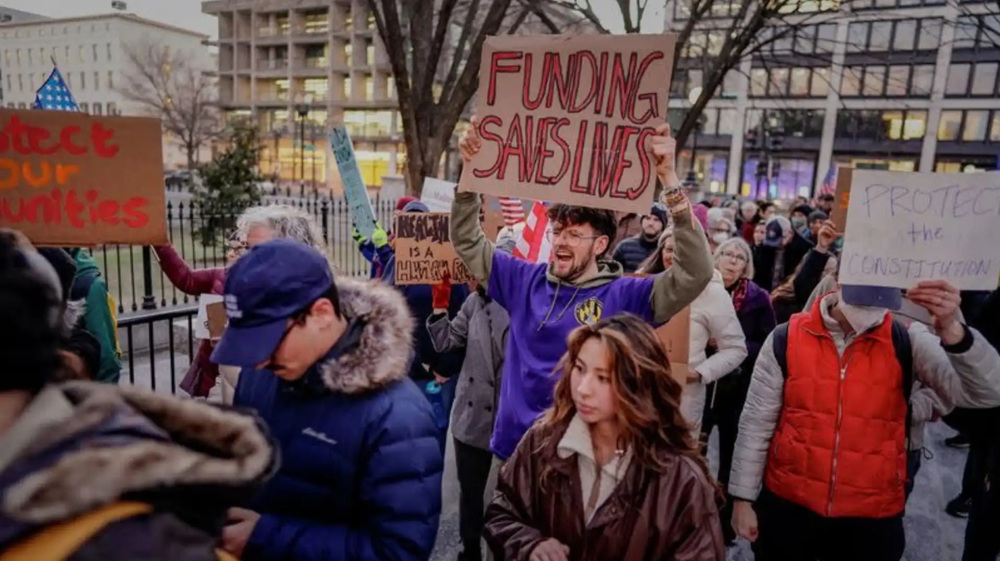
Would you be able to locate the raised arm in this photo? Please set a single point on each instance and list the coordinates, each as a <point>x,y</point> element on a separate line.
<point>468,238</point>
<point>189,281</point>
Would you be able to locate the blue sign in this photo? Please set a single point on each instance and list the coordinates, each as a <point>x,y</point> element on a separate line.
<point>354,187</point>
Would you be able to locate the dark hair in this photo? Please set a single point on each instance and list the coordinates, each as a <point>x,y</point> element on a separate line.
<point>332,294</point>
<point>817,215</point>
<point>802,209</point>
<point>647,397</point>
<point>602,221</point>
<point>29,338</point>
<point>827,197</point>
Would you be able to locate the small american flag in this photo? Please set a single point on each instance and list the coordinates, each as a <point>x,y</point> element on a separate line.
<point>512,210</point>
<point>534,245</point>
<point>54,95</point>
<point>829,185</point>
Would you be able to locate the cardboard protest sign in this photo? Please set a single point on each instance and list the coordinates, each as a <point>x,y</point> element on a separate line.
<point>568,118</point>
<point>438,194</point>
<point>676,338</point>
<point>424,251</point>
<point>909,227</point>
<point>358,203</point>
<point>217,319</point>
<point>203,321</point>
<point>842,198</point>
<point>72,179</point>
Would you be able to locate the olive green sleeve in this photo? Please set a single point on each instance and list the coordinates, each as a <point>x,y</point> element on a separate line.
<point>690,274</point>
<point>468,238</point>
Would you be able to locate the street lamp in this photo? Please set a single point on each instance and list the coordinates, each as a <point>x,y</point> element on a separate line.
<point>303,109</point>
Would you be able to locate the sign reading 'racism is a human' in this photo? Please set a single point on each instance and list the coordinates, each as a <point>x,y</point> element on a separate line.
<point>72,179</point>
<point>569,118</point>
<point>423,250</point>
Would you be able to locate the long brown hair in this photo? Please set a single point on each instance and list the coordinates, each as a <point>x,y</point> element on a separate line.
<point>647,397</point>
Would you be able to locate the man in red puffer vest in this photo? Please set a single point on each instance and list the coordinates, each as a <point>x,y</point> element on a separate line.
<point>820,463</point>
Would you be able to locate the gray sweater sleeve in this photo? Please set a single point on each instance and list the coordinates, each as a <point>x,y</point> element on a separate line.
<point>968,379</point>
<point>757,424</point>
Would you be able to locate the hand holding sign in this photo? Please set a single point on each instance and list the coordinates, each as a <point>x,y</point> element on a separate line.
<point>470,143</point>
<point>828,234</point>
<point>664,150</point>
<point>942,300</point>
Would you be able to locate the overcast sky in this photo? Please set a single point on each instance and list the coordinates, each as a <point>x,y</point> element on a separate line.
<point>187,13</point>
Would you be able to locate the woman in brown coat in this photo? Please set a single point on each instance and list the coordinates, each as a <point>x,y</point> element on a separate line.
<point>611,471</point>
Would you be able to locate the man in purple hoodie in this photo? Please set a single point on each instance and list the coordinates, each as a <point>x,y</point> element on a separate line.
<point>548,301</point>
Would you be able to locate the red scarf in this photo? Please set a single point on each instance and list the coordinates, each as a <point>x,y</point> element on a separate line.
<point>740,293</point>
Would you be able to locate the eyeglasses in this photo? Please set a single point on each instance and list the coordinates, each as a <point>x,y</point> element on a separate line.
<point>738,257</point>
<point>572,239</point>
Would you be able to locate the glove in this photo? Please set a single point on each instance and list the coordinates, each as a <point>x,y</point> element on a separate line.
<point>380,237</point>
<point>358,237</point>
<point>441,293</point>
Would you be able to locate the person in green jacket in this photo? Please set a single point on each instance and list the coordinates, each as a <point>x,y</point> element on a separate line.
<point>98,319</point>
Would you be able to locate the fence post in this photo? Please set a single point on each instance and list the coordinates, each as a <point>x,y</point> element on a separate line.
<point>325,219</point>
<point>148,301</point>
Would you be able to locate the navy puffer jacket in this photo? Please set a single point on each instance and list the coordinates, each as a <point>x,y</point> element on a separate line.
<point>361,472</point>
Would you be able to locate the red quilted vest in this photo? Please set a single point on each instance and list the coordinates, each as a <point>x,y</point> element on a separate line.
<point>840,445</point>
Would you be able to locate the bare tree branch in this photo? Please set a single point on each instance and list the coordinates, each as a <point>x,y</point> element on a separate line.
<point>165,85</point>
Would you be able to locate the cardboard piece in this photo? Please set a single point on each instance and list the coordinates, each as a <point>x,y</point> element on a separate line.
<point>202,323</point>
<point>842,198</point>
<point>72,179</point>
<point>424,251</point>
<point>217,319</point>
<point>676,338</point>
<point>358,203</point>
<point>909,227</point>
<point>567,118</point>
<point>438,194</point>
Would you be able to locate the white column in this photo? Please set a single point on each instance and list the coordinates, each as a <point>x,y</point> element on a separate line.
<point>831,107</point>
<point>734,171</point>
<point>929,147</point>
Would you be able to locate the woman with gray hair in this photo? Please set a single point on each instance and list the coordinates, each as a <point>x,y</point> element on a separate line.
<point>734,260</point>
<point>263,223</point>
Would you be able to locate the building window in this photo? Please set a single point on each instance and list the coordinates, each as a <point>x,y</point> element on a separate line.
<point>851,83</point>
<point>80,53</point>
<point>111,79</point>
<point>826,38</point>
<point>112,109</point>
<point>97,109</point>
<point>965,32</point>
<point>874,81</point>
<point>390,87</point>
<point>109,51</point>
<point>930,34</point>
<point>368,123</point>
<point>805,39</point>
<point>881,33</point>
<point>995,127</point>
<point>369,88</point>
<point>857,37</point>
<point>974,128</point>
<point>799,86</point>
<point>83,81</point>
<point>727,121</point>
<point>923,80</point>
<point>905,36</point>
<point>95,52</point>
<point>758,82</point>
<point>896,85</point>
<point>958,80</point>
<point>84,108</point>
<point>66,53</point>
<point>370,53</point>
<point>951,123</point>
<point>984,78</point>
<point>97,80</point>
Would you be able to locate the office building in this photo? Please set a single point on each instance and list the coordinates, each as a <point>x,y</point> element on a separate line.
<point>905,85</point>
<point>298,67</point>
<point>91,53</point>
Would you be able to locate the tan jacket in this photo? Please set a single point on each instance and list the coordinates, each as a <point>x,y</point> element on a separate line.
<point>649,515</point>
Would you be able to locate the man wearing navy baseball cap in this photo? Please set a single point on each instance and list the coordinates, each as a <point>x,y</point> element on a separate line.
<point>325,364</point>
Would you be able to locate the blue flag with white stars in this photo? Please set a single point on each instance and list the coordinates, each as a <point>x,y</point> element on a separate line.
<point>54,95</point>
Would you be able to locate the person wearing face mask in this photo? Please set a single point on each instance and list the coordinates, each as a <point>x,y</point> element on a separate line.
<point>800,218</point>
<point>721,227</point>
<point>780,253</point>
<point>546,301</point>
<point>821,458</point>
<point>631,252</point>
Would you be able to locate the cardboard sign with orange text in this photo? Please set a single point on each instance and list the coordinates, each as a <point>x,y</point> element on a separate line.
<point>842,198</point>
<point>568,118</point>
<point>424,251</point>
<point>72,179</point>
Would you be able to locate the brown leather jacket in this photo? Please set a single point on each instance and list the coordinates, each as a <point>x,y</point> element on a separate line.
<point>649,516</point>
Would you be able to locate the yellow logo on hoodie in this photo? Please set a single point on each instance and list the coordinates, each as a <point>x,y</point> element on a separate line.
<point>588,311</point>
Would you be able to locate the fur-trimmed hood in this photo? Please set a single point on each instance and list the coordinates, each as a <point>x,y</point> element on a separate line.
<point>385,348</point>
<point>83,445</point>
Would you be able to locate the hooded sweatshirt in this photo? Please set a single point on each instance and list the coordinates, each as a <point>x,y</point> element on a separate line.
<point>90,286</point>
<point>544,309</point>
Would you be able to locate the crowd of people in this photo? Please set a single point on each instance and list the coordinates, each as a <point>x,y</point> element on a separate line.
<point>574,438</point>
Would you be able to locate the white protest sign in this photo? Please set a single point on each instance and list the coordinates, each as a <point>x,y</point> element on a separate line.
<point>438,194</point>
<point>355,192</point>
<point>201,323</point>
<point>912,227</point>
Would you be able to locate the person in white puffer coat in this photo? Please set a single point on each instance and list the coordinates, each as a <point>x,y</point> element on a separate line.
<point>715,331</point>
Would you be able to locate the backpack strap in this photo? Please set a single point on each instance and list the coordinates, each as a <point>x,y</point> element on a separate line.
<point>904,355</point>
<point>60,541</point>
<point>780,341</point>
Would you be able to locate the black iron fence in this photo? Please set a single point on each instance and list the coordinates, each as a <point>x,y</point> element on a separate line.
<point>198,233</point>
<point>156,321</point>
